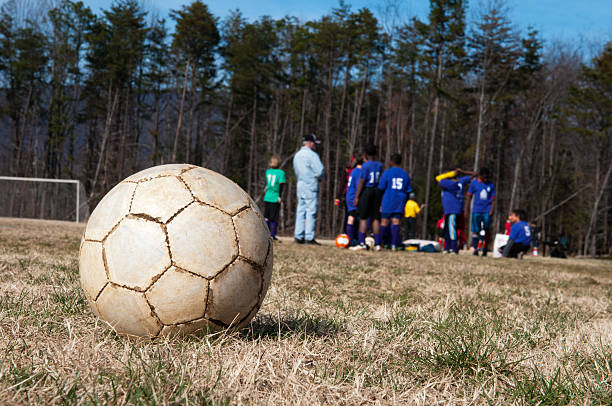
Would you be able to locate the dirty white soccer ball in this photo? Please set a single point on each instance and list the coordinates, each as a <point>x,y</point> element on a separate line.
<point>369,240</point>
<point>175,249</point>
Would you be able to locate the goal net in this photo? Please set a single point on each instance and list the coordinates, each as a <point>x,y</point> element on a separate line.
<point>41,198</point>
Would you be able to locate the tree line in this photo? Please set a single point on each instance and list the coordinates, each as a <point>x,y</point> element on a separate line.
<point>96,97</point>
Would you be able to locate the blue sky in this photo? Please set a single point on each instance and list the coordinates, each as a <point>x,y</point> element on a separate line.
<point>567,20</point>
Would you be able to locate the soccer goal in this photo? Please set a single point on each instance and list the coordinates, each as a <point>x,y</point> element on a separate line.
<point>42,198</point>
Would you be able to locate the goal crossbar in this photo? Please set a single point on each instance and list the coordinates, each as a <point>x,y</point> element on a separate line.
<point>49,180</point>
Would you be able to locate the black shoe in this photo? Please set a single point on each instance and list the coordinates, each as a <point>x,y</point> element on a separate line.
<point>298,240</point>
<point>276,240</point>
<point>312,242</point>
<point>475,253</point>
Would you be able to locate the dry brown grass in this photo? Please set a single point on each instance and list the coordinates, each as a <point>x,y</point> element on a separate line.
<point>337,327</point>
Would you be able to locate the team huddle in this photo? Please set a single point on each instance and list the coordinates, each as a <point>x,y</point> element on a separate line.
<point>378,200</point>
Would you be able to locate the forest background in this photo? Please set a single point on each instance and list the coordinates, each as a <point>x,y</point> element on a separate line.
<point>97,97</point>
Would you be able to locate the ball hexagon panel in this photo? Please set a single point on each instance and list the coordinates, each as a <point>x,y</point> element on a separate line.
<point>202,240</point>
<point>253,236</point>
<point>93,279</point>
<point>178,296</point>
<point>127,312</point>
<point>234,293</point>
<point>136,253</point>
<point>192,327</point>
<point>215,189</point>
<point>158,171</point>
<point>109,211</point>
<point>160,198</point>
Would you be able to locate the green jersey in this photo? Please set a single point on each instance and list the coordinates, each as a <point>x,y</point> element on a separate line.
<point>274,177</point>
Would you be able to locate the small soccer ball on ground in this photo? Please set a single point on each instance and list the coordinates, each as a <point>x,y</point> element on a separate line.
<point>343,241</point>
<point>370,241</point>
<point>175,249</point>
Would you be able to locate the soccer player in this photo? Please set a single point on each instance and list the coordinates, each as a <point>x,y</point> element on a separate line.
<point>482,192</point>
<point>520,235</point>
<point>395,186</point>
<point>351,192</point>
<point>453,193</point>
<point>367,199</point>
<point>275,182</point>
<point>411,210</point>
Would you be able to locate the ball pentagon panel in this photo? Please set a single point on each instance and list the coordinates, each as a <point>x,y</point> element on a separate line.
<point>216,190</point>
<point>127,311</point>
<point>202,240</point>
<point>173,308</point>
<point>136,253</point>
<point>160,198</point>
<point>175,249</point>
<point>253,236</point>
<point>228,302</point>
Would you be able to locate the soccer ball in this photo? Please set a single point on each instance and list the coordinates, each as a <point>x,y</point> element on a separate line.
<point>343,241</point>
<point>369,240</point>
<point>175,249</point>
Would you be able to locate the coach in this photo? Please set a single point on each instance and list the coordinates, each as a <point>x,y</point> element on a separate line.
<point>309,170</point>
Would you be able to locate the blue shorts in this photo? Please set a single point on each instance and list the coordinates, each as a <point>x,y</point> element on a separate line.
<point>391,215</point>
<point>480,221</point>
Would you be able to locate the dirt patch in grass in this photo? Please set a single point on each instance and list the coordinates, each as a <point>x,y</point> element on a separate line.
<point>337,327</point>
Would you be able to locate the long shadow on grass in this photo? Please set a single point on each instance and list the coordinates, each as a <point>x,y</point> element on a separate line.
<point>300,325</point>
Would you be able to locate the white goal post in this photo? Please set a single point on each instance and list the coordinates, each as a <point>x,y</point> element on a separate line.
<point>48,180</point>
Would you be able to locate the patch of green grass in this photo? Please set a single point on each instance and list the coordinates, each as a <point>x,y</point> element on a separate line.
<point>537,389</point>
<point>12,304</point>
<point>153,380</point>
<point>68,300</point>
<point>470,342</point>
<point>399,322</point>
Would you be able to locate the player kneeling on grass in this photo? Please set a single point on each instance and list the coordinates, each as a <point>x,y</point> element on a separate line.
<point>395,186</point>
<point>367,199</point>
<point>275,181</point>
<point>520,235</point>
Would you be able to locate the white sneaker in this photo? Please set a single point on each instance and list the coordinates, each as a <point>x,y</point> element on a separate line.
<point>377,248</point>
<point>359,247</point>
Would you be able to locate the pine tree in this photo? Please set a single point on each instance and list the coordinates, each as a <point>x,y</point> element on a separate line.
<point>444,49</point>
<point>195,43</point>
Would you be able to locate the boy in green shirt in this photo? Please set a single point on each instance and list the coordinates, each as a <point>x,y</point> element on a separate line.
<point>275,182</point>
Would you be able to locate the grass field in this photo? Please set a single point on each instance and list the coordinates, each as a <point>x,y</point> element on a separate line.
<point>337,327</point>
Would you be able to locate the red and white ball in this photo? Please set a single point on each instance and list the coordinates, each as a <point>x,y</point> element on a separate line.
<point>343,241</point>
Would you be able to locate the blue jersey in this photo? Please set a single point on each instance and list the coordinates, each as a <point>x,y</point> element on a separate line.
<point>395,184</point>
<point>351,188</point>
<point>370,173</point>
<point>483,195</point>
<point>521,233</point>
<point>453,192</point>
